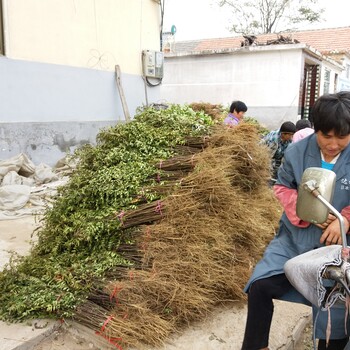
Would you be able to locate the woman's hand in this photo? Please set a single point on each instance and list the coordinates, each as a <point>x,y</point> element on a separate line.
<point>330,219</point>
<point>331,230</point>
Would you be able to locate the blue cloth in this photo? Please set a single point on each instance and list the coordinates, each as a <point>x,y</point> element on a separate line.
<point>290,240</point>
<point>328,166</point>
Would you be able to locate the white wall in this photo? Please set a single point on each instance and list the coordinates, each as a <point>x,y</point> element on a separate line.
<point>344,79</point>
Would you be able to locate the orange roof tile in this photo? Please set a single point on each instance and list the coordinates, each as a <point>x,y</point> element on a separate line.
<point>324,40</point>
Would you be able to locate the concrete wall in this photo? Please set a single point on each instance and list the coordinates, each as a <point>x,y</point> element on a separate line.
<point>267,79</point>
<point>41,102</point>
<point>57,85</point>
<point>47,142</point>
<point>84,33</point>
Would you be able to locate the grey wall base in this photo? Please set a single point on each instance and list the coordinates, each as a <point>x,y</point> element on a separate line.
<point>47,142</point>
<point>47,110</point>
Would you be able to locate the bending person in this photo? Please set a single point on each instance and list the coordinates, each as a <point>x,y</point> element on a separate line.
<point>277,141</point>
<point>236,114</point>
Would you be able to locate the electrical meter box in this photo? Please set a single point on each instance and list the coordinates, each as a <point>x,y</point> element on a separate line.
<point>153,63</point>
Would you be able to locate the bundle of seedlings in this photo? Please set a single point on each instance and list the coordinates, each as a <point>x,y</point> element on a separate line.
<point>147,237</point>
<point>214,226</point>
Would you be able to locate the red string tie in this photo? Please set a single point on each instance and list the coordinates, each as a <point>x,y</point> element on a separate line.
<point>116,290</point>
<point>159,208</point>
<point>112,340</point>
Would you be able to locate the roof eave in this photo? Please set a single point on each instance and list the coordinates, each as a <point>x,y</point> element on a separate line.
<point>255,48</point>
<point>234,50</point>
<point>324,57</point>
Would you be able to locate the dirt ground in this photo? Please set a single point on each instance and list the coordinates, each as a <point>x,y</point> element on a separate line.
<point>63,339</point>
<point>222,330</point>
<point>305,342</point>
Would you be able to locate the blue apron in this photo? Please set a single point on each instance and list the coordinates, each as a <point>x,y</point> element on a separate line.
<point>290,240</point>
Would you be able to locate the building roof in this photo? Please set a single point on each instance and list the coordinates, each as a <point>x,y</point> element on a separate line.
<point>330,40</point>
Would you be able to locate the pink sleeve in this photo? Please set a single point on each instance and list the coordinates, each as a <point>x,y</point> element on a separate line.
<point>288,198</point>
<point>346,213</point>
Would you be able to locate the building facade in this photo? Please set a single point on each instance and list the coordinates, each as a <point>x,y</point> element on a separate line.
<point>278,77</point>
<point>58,62</point>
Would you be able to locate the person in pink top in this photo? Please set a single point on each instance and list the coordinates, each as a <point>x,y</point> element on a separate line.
<point>304,129</point>
<point>237,111</point>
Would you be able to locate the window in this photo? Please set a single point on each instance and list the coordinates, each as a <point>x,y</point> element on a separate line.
<point>327,80</point>
<point>2,45</point>
<point>347,71</point>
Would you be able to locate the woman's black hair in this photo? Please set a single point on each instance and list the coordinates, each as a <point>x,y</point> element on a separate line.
<point>332,112</point>
<point>238,106</point>
<point>302,124</point>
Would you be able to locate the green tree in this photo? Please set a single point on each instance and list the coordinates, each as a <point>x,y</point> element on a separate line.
<point>271,16</point>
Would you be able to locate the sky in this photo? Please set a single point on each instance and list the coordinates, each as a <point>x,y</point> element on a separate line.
<point>204,19</point>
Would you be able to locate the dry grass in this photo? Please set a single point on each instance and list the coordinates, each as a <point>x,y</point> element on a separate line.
<point>216,111</point>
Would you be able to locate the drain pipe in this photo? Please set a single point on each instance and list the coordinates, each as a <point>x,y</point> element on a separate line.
<point>4,28</point>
